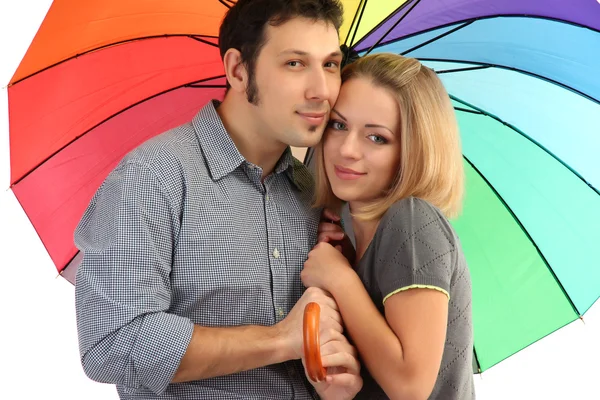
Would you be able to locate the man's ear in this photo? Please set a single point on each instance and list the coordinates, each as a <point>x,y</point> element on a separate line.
<point>235,70</point>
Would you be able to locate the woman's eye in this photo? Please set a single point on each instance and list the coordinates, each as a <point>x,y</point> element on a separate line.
<point>377,139</point>
<point>338,126</point>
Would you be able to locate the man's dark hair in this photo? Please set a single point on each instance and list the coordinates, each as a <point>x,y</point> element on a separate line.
<point>244,25</point>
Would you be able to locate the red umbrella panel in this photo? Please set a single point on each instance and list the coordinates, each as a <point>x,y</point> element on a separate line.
<point>74,131</point>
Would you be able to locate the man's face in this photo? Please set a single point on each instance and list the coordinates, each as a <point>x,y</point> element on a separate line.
<point>297,77</point>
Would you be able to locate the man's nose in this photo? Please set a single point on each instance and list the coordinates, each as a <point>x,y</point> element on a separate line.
<point>318,85</point>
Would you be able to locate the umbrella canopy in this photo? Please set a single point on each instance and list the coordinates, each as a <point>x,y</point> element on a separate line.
<point>101,77</point>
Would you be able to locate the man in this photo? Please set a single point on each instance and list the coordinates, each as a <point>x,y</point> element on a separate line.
<point>190,285</point>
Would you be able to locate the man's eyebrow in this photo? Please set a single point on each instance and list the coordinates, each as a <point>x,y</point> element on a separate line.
<point>294,51</point>
<point>340,115</point>
<point>304,53</point>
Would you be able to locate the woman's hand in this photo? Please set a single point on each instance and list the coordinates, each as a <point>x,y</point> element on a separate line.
<point>325,265</point>
<point>330,231</point>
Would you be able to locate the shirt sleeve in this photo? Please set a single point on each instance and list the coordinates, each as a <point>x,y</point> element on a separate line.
<point>122,293</point>
<point>415,249</point>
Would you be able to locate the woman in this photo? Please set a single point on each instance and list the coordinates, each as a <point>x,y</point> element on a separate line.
<point>392,152</point>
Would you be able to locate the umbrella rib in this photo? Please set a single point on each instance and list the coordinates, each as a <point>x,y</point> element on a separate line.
<point>362,11</point>
<point>199,39</point>
<point>229,3</point>
<point>383,22</point>
<point>194,37</point>
<point>451,31</point>
<point>70,264</point>
<point>190,84</point>
<point>308,156</point>
<point>468,111</point>
<point>396,23</point>
<point>518,221</point>
<point>533,74</point>
<point>433,28</point>
<point>446,71</point>
<point>520,132</point>
<point>353,22</point>
<point>476,360</point>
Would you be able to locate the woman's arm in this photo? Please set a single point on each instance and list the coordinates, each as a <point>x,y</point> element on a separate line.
<point>415,253</point>
<point>402,351</point>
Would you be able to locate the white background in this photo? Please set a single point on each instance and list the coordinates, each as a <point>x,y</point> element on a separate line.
<point>39,352</point>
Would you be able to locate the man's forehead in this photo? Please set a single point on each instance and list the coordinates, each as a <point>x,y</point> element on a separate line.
<point>317,38</point>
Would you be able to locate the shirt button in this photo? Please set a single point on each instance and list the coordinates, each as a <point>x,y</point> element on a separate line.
<point>276,253</point>
<point>280,312</point>
<point>267,197</point>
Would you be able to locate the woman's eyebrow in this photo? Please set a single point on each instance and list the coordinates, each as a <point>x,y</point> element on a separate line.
<point>378,126</point>
<point>338,113</point>
<point>366,126</point>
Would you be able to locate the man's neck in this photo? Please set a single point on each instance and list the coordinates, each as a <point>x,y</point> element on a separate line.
<point>243,130</point>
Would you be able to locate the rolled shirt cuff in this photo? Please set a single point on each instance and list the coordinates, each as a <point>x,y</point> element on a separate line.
<point>161,343</point>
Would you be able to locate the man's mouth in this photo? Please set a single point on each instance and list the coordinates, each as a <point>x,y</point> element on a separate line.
<point>314,118</point>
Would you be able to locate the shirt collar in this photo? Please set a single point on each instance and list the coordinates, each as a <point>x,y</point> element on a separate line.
<point>221,153</point>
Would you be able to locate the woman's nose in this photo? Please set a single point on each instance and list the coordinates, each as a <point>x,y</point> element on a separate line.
<point>350,147</point>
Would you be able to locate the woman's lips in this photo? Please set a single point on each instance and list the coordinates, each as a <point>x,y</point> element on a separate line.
<point>347,173</point>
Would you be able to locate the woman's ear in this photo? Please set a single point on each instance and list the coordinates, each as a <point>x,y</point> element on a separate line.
<point>235,70</point>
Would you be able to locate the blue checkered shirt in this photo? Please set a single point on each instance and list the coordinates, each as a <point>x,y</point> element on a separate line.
<point>184,232</point>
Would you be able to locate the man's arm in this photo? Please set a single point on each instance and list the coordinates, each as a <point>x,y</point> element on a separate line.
<point>223,351</point>
<point>122,289</point>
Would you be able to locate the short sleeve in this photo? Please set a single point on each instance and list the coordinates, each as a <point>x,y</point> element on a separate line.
<point>416,248</point>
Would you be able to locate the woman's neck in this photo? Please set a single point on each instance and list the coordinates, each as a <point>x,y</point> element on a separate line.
<point>364,231</point>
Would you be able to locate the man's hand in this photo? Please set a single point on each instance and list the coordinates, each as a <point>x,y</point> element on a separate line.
<point>331,231</point>
<point>330,321</point>
<point>343,379</point>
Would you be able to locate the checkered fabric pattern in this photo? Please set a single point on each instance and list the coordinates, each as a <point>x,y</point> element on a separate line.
<point>184,232</point>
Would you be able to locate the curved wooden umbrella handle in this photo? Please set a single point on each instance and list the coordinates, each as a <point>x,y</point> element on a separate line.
<point>312,344</point>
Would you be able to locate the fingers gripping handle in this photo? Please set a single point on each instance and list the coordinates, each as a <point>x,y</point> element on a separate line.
<point>312,345</point>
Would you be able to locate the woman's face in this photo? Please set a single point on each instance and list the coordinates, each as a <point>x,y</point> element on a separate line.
<point>362,143</point>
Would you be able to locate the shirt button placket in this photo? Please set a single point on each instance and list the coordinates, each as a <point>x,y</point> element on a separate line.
<point>277,259</point>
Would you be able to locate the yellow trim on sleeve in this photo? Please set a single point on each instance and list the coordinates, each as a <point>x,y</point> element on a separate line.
<point>416,287</point>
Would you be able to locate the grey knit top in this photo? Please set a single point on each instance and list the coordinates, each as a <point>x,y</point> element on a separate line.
<point>415,246</point>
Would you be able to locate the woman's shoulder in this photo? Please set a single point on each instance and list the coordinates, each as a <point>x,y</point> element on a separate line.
<point>413,215</point>
<point>413,209</point>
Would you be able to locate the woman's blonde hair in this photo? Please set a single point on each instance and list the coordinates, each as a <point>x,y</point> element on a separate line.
<point>431,166</point>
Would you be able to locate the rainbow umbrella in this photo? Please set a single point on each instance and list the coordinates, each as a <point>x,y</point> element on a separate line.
<point>101,77</point>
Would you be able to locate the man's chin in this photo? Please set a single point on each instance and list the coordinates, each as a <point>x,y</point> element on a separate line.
<point>306,141</point>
